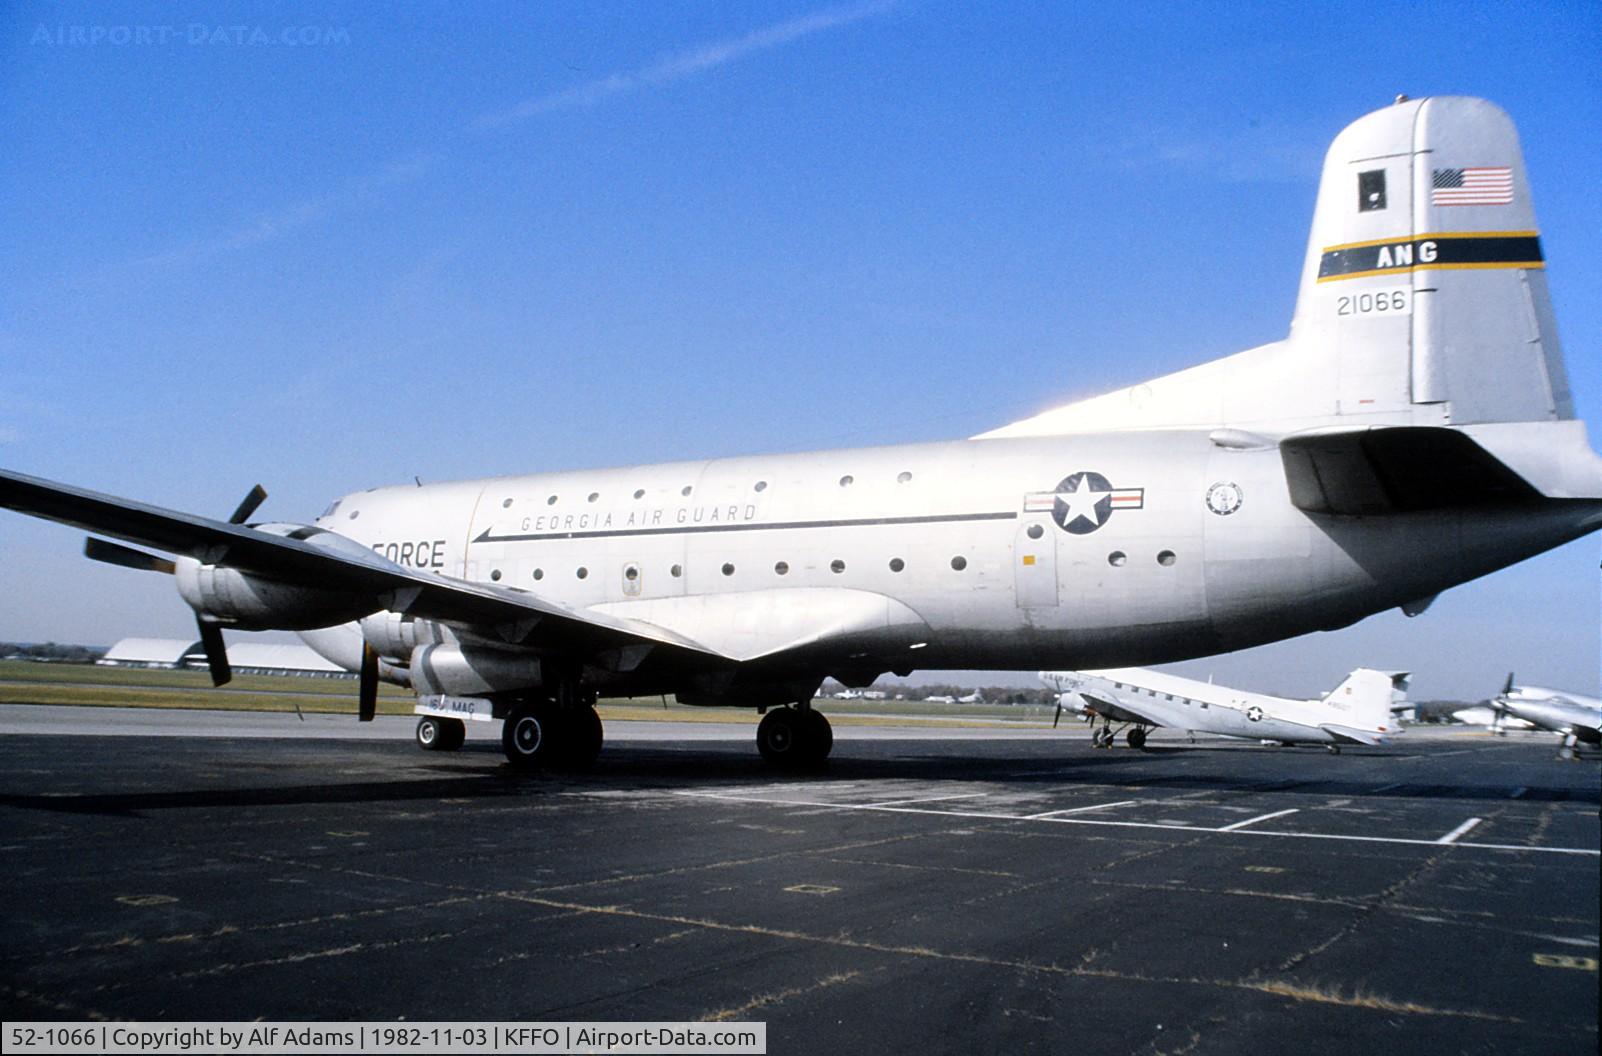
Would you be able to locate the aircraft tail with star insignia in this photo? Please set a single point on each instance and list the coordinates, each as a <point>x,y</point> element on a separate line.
<point>1423,333</point>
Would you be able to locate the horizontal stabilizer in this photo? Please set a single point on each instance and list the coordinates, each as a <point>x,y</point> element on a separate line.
<point>1351,735</point>
<point>1396,470</point>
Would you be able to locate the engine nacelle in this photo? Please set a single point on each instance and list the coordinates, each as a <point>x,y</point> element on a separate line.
<point>473,670</point>
<point>394,635</point>
<point>258,603</point>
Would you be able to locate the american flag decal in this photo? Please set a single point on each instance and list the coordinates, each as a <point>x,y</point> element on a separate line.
<point>1476,186</point>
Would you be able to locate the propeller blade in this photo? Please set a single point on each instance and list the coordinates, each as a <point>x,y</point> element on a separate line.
<point>126,556</point>
<point>1507,687</point>
<point>1059,714</point>
<point>367,690</point>
<point>211,640</point>
<point>247,506</point>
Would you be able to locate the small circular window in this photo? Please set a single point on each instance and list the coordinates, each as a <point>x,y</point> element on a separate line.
<point>539,573</point>
<point>1165,558</point>
<point>495,574</point>
<point>505,503</point>
<point>550,500</point>
<point>1117,558</point>
<point>896,564</point>
<point>1035,531</point>
<point>837,566</point>
<point>631,573</point>
<point>582,573</point>
<point>685,491</point>
<point>760,485</point>
<point>639,493</point>
<point>959,562</point>
<point>782,568</point>
<point>728,568</point>
<point>676,571</point>
<point>355,514</point>
<point>593,496</point>
<point>847,480</point>
<point>903,477</point>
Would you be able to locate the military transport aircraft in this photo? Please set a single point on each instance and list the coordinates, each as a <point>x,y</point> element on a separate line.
<point>1578,718</point>
<point>1358,711</point>
<point>1414,431</point>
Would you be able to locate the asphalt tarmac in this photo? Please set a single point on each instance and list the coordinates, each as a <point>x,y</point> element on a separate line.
<point>929,891</point>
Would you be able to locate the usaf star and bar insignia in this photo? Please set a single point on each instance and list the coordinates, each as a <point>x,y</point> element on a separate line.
<point>1083,502</point>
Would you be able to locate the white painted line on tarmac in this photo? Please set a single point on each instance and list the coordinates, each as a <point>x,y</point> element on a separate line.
<point>1260,817</point>
<point>1452,836</point>
<point>927,799</point>
<point>979,816</point>
<point>1076,810</point>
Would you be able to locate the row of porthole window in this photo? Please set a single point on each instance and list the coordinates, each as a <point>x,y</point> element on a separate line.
<point>1117,559</point>
<point>782,568</point>
<point>761,485</point>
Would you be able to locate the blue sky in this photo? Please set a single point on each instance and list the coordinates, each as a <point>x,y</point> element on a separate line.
<point>348,244</point>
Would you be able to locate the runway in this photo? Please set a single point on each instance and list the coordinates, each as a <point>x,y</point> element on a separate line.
<point>929,890</point>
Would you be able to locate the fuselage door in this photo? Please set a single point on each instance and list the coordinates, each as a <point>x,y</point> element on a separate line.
<point>1034,565</point>
<point>631,579</point>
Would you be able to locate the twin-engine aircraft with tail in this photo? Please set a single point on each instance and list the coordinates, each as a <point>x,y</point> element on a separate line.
<point>1361,710</point>
<point>1414,431</point>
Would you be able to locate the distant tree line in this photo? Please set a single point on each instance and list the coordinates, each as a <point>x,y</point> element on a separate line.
<point>51,652</point>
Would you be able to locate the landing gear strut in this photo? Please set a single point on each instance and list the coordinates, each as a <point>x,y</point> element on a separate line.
<point>794,737</point>
<point>561,731</point>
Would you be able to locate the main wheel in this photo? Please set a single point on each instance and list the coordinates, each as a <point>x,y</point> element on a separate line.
<point>581,737</point>
<point>1136,737</point>
<point>529,735</point>
<point>782,736</point>
<point>440,735</point>
<point>453,732</point>
<point>820,736</point>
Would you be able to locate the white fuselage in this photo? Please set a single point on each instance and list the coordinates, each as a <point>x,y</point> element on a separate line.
<point>1000,569</point>
<point>1154,698</point>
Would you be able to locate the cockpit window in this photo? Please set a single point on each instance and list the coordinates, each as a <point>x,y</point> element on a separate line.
<point>331,508</point>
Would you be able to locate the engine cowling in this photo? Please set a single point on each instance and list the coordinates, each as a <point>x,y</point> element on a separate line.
<point>473,670</point>
<point>254,602</point>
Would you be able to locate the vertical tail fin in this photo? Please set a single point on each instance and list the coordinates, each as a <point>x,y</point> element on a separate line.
<point>1423,289</point>
<point>1366,699</point>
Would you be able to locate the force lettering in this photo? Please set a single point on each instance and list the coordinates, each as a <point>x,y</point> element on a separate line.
<point>421,554</point>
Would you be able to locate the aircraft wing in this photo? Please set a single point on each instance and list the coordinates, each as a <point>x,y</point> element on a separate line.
<point>514,615</point>
<point>1117,710</point>
<point>1396,469</point>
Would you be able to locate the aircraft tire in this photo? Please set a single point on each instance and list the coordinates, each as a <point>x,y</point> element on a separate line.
<point>1136,737</point>
<point>820,736</point>
<point>530,735</point>
<point>453,733</point>
<point>582,736</point>
<point>431,735</point>
<point>782,737</point>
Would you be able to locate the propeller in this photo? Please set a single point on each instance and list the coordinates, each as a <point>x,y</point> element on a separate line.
<point>1507,687</point>
<point>367,688</point>
<point>211,640</point>
<point>1058,717</point>
<point>248,504</point>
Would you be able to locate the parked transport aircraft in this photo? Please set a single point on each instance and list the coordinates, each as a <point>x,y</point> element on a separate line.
<point>1358,711</point>
<point>1574,716</point>
<point>1414,431</point>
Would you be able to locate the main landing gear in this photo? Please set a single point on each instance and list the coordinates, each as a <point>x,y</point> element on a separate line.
<point>1103,737</point>
<point>794,737</point>
<point>553,732</point>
